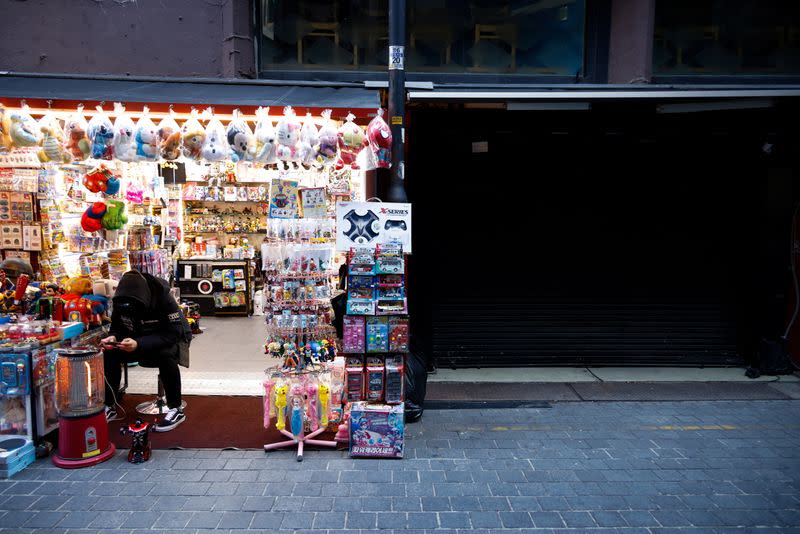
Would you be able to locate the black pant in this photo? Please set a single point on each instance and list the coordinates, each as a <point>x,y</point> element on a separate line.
<point>166,361</point>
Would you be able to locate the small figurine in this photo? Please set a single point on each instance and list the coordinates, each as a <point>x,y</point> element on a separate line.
<point>140,446</point>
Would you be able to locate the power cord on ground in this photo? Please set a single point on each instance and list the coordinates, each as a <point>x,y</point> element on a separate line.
<point>594,375</point>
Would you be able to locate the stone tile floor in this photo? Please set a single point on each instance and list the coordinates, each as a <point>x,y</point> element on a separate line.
<point>627,467</point>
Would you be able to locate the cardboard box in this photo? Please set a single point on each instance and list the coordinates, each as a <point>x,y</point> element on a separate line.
<point>376,430</point>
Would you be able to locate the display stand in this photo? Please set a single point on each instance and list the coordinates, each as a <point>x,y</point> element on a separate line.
<point>300,441</point>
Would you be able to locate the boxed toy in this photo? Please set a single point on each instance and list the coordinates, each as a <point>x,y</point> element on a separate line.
<point>374,382</point>
<point>376,430</point>
<point>377,334</point>
<point>354,334</point>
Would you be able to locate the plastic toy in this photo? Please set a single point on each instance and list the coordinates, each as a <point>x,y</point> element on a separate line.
<point>327,147</point>
<point>91,220</point>
<point>75,132</point>
<point>100,132</point>
<point>288,135</point>
<point>351,141</point>
<point>379,140</point>
<point>323,393</point>
<point>309,139</point>
<point>374,382</point>
<point>296,402</point>
<point>52,141</point>
<point>312,399</point>
<point>354,372</point>
<point>269,408</point>
<point>193,136</point>
<point>377,334</point>
<point>395,370</point>
<point>114,217</point>
<point>280,406</point>
<point>169,138</point>
<point>240,138</point>
<point>24,130</point>
<point>398,334</point>
<point>146,138</point>
<point>141,448</point>
<point>354,334</point>
<point>266,147</point>
<point>215,147</point>
<point>124,128</point>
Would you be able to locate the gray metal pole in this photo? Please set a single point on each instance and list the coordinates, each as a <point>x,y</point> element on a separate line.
<point>397,98</point>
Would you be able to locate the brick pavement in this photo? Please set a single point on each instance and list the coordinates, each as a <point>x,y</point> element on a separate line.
<point>628,467</point>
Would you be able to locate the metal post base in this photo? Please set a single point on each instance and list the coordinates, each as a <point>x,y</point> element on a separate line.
<point>155,407</point>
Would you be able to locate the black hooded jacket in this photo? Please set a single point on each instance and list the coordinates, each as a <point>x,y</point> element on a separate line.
<point>159,325</point>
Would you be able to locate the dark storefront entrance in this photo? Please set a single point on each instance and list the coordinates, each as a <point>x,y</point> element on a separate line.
<point>612,236</point>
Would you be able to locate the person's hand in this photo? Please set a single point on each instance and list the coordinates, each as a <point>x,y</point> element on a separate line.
<point>109,342</point>
<point>128,345</point>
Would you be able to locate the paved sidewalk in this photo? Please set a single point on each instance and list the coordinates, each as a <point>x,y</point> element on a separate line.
<point>629,467</point>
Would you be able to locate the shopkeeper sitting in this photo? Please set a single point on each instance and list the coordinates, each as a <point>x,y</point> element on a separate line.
<point>147,326</point>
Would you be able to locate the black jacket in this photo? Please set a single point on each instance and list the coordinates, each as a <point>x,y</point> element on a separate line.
<point>161,326</point>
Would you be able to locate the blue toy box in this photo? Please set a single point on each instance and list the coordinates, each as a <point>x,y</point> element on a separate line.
<point>376,430</point>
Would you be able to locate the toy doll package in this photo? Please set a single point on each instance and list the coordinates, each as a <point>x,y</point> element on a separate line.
<point>376,430</point>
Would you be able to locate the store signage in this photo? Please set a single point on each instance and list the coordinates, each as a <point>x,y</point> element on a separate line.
<point>360,224</point>
<point>480,147</point>
<point>397,56</point>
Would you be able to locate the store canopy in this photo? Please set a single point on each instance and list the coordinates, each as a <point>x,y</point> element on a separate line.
<point>202,92</point>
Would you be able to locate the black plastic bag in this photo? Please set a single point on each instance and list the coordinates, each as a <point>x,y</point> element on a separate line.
<point>416,385</point>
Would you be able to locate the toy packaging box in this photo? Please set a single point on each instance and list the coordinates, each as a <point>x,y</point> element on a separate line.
<point>376,430</point>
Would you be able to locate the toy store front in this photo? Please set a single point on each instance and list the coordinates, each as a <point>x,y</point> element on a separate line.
<point>229,191</point>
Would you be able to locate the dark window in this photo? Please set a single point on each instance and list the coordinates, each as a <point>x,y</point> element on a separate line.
<point>727,37</point>
<point>458,36</point>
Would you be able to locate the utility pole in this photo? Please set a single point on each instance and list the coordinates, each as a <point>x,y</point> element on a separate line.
<point>397,98</point>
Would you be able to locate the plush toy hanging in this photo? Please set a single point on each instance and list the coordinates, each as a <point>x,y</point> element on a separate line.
<point>169,138</point>
<point>215,147</point>
<point>309,139</point>
<point>379,139</point>
<point>77,143</point>
<point>100,132</point>
<point>114,217</point>
<point>52,141</point>
<point>24,130</point>
<point>240,139</point>
<point>146,138</point>
<point>265,139</point>
<point>91,220</point>
<point>124,128</point>
<point>5,129</point>
<point>101,180</point>
<point>288,133</point>
<point>351,140</point>
<point>193,135</point>
<point>327,148</point>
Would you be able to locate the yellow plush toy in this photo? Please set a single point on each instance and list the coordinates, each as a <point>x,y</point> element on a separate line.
<point>5,130</point>
<point>52,141</point>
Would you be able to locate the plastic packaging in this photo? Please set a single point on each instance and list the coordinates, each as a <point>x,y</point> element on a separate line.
<point>146,138</point>
<point>215,147</point>
<point>327,147</point>
<point>266,145</point>
<point>240,139</point>
<point>76,142</point>
<point>100,132</point>
<point>379,138</point>
<point>24,130</point>
<point>124,128</point>
<point>169,138</point>
<point>288,133</point>
<point>309,139</point>
<point>193,136</point>
<point>351,142</point>
<point>52,141</point>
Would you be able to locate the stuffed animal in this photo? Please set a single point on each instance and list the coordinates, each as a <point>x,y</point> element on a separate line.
<point>265,140</point>
<point>77,287</point>
<point>5,130</point>
<point>169,137</point>
<point>113,185</point>
<point>240,138</point>
<point>351,140</point>
<point>52,141</point>
<point>309,139</point>
<point>24,130</point>
<point>288,133</point>
<point>91,220</point>
<point>146,138</point>
<point>75,132</point>
<point>124,144</point>
<point>327,148</point>
<point>379,140</point>
<point>193,135</point>
<point>215,147</point>
<point>115,217</point>
<point>96,180</point>
<point>100,132</point>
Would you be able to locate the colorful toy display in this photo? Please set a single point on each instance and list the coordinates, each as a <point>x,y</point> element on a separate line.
<point>379,140</point>
<point>100,132</point>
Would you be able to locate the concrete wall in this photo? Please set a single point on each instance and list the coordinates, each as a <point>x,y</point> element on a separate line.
<point>197,38</point>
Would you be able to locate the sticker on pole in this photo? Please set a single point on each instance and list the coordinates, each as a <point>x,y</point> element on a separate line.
<point>397,56</point>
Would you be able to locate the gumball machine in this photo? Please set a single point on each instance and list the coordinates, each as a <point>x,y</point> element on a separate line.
<point>80,396</point>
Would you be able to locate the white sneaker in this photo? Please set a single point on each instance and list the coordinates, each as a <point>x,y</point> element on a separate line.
<point>111,414</point>
<point>174,417</point>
